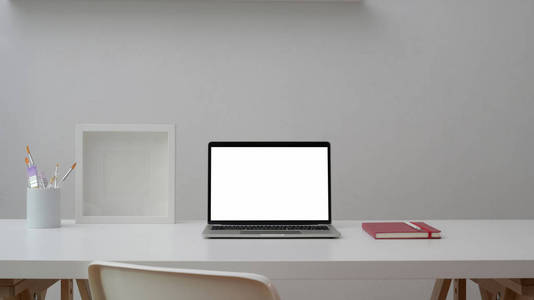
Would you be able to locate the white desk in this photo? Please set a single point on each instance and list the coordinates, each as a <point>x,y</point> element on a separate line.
<point>469,249</point>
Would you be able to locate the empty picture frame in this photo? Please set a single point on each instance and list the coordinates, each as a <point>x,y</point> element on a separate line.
<point>126,173</point>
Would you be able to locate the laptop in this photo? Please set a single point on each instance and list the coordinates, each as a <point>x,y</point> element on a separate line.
<point>269,190</point>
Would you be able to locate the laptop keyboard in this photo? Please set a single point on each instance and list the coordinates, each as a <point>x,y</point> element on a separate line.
<point>270,227</point>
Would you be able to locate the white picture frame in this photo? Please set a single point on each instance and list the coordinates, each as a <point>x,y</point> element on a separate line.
<point>126,173</point>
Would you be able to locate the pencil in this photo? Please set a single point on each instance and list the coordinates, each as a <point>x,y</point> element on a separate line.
<point>29,155</point>
<point>68,172</point>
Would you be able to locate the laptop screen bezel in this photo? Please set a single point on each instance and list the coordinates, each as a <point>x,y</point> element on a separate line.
<point>269,144</point>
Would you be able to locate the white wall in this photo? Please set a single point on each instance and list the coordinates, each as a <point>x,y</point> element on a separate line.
<point>428,104</point>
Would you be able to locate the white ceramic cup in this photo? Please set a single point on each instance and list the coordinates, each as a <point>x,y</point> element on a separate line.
<point>42,208</point>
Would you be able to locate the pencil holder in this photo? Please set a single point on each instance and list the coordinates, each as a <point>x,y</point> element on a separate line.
<point>42,208</point>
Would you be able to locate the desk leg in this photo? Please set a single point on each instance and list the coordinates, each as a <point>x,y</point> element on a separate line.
<point>66,289</point>
<point>26,295</point>
<point>459,289</point>
<point>83,287</point>
<point>485,294</point>
<point>25,289</point>
<point>509,295</point>
<point>22,296</point>
<point>441,289</point>
<point>500,289</point>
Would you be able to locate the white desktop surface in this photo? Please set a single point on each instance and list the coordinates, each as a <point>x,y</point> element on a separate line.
<point>468,249</point>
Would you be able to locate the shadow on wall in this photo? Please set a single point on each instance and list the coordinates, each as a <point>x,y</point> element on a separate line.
<point>226,15</point>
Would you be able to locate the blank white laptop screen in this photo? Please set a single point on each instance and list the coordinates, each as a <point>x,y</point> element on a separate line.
<point>269,183</point>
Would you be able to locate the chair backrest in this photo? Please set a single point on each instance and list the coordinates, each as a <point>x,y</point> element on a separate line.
<point>116,281</point>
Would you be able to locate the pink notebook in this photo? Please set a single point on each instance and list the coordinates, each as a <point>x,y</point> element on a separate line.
<point>400,230</point>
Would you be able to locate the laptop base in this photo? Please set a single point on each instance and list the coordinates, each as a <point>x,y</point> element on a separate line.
<point>331,233</point>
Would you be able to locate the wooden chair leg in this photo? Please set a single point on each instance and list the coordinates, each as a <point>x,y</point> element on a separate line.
<point>66,289</point>
<point>459,289</point>
<point>441,289</point>
<point>83,287</point>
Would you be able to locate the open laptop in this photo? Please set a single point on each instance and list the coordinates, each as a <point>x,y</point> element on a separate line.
<point>269,190</point>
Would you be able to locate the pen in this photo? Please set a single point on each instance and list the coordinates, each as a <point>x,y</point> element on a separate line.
<point>52,181</point>
<point>411,224</point>
<point>42,180</point>
<point>29,155</point>
<point>55,176</point>
<point>68,172</point>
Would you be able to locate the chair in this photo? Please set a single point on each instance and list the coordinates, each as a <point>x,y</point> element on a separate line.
<point>117,281</point>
